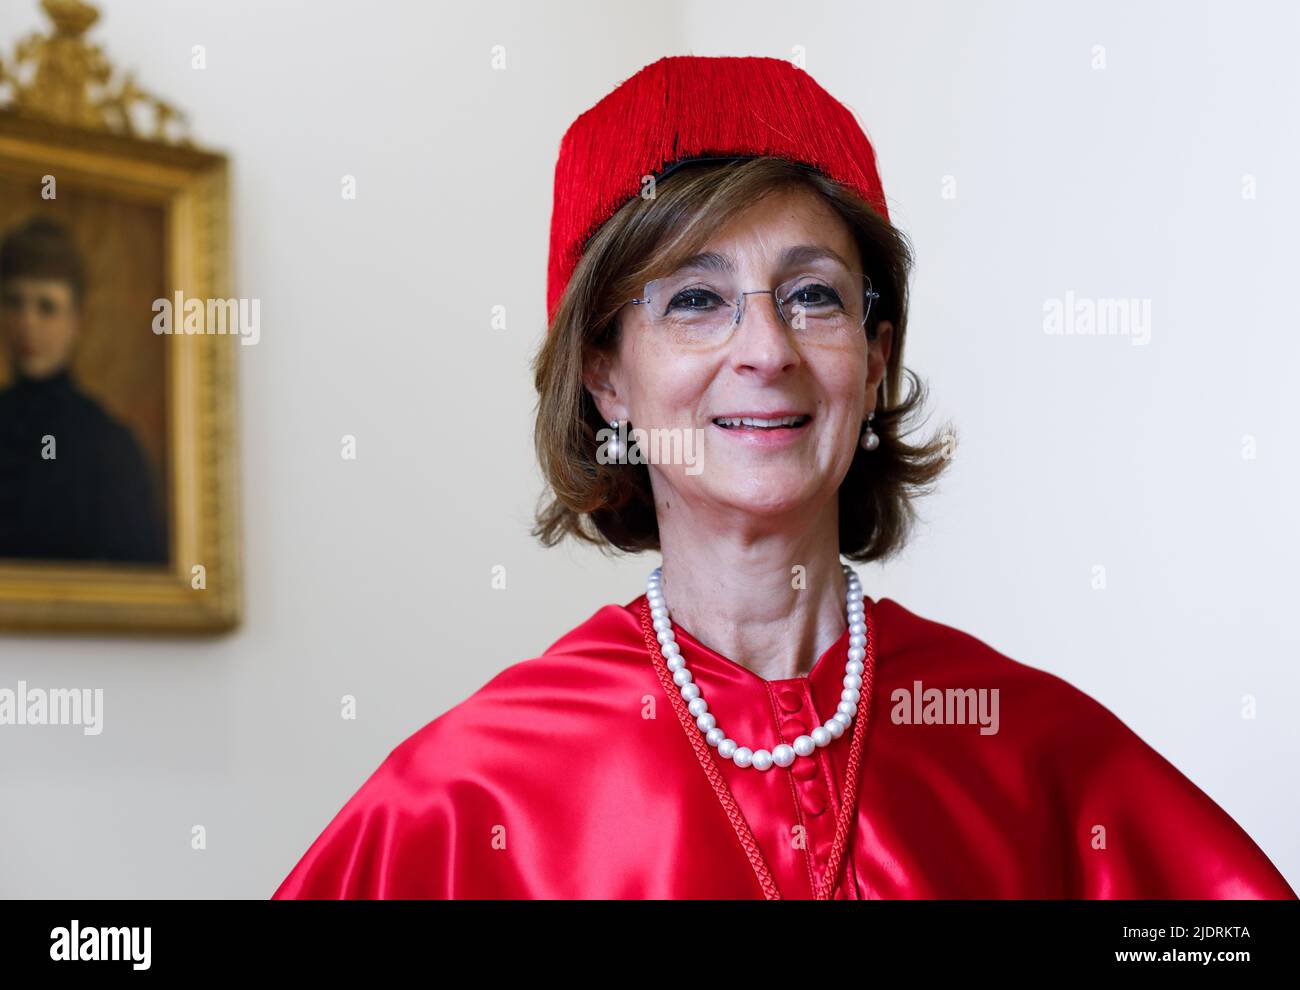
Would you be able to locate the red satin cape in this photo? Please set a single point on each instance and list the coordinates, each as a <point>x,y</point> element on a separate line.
<point>573,775</point>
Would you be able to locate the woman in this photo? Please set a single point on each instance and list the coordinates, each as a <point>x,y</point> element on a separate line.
<point>723,275</point>
<point>74,481</point>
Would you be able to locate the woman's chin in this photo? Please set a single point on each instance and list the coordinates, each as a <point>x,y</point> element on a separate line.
<point>765,496</point>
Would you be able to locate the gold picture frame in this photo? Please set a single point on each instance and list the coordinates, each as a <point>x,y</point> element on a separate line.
<point>199,589</point>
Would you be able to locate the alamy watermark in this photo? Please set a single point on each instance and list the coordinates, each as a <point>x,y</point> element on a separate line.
<point>181,316</point>
<point>57,706</point>
<point>1083,316</point>
<point>947,706</point>
<point>106,944</point>
<point>658,445</point>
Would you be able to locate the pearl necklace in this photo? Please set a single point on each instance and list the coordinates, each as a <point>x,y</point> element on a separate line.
<point>784,754</point>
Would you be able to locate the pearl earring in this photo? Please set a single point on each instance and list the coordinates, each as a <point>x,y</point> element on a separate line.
<point>870,440</point>
<point>612,452</point>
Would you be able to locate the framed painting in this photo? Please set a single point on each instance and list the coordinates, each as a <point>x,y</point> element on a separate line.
<point>119,494</point>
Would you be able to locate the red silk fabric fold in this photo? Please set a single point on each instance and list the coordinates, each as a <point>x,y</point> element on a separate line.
<point>571,775</point>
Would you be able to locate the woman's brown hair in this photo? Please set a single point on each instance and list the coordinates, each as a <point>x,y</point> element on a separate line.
<point>43,248</point>
<point>612,505</point>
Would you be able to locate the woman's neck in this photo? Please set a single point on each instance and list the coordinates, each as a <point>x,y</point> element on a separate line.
<point>773,603</point>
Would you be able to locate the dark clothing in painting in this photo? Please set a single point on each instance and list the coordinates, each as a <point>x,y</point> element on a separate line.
<point>93,500</point>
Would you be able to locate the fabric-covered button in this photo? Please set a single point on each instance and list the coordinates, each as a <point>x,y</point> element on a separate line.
<point>814,803</point>
<point>805,768</point>
<point>790,700</point>
<point>792,729</point>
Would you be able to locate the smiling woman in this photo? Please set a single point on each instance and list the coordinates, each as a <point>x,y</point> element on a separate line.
<point>743,728</point>
<point>648,255</point>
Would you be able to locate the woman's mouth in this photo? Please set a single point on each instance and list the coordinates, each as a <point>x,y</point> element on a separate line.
<point>757,423</point>
<point>765,433</point>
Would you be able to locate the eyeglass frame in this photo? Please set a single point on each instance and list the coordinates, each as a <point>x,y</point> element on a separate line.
<point>870,295</point>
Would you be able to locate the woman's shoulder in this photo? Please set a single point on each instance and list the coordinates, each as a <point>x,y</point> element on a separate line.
<point>1053,725</point>
<point>515,742</point>
<point>588,673</point>
<point>1137,822</point>
<point>911,647</point>
<point>1061,739</point>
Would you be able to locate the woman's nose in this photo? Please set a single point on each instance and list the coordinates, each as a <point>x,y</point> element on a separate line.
<point>761,339</point>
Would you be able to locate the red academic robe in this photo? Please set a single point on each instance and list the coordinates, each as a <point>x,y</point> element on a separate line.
<point>572,775</point>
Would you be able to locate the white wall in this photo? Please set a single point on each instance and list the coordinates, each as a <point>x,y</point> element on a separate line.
<point>371,577</point>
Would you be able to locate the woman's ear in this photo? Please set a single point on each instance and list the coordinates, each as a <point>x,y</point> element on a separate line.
<point>878,351</point>
<point>885,339</point>
<point>597,376</point>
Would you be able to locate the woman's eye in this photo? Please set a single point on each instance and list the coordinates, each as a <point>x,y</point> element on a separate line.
<point>693,299</point>
<point>814,295</point>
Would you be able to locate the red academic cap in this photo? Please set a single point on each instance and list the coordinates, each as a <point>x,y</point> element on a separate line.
<point>686,107</point>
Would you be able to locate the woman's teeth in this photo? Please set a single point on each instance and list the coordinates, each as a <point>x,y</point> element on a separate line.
<point>738,422</point>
